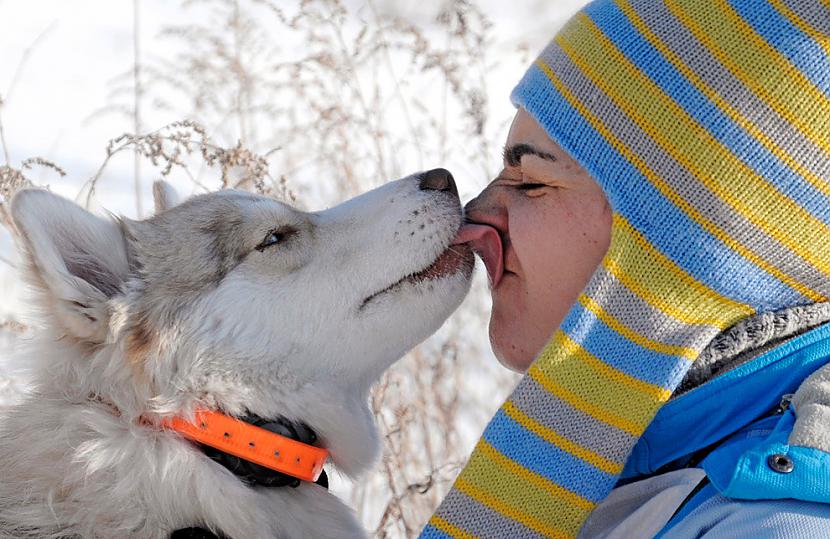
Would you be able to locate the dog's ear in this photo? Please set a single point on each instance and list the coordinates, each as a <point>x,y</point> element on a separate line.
<point>164,196</point>
<point>77,260</point>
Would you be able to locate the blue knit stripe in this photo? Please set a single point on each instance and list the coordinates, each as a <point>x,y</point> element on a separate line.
<point>538,455</point>
<point>431,532</point>
<point>600,340</point>
<point>732,275</point>
<point>618,28</point>
<point>800,49</point>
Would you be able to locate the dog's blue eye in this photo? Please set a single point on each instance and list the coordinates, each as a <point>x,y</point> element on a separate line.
<point>277,236</point>
<point>272,238</point>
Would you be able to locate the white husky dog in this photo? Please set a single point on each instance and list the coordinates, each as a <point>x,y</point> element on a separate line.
<point>228,301</point>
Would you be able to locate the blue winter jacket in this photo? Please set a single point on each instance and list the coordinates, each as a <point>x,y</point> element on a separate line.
<point>716,462</point>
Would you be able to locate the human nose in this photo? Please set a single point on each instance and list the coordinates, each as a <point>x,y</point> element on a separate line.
<point>489,208</point>
<point>486,232</point>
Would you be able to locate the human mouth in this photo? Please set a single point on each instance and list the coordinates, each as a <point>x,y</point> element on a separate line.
<point>485,241</point>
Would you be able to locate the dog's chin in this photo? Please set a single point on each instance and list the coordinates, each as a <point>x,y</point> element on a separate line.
<point>454,260</point>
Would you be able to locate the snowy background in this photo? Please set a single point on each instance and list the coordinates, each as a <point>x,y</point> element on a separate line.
<point>340,96</point>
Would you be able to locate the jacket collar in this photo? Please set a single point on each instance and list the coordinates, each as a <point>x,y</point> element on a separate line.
<point>710,413</point>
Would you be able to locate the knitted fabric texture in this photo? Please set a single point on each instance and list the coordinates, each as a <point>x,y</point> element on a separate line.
<point>750,338</point>
<point>707,124</point>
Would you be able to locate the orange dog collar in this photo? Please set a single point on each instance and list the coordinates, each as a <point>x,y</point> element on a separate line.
<point>253,444</point>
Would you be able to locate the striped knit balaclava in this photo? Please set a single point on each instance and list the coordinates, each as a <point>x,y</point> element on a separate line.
<point>707,124</point>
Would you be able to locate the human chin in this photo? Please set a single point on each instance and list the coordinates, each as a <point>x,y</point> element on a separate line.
<point>507,342</point>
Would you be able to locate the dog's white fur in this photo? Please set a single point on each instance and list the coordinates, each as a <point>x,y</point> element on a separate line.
<point>142,320</point>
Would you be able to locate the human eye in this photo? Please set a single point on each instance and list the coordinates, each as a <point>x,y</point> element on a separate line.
<point>530,182</point>
<point>530,186</point>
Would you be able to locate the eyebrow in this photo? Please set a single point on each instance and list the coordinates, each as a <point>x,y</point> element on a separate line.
<point>513,154</point>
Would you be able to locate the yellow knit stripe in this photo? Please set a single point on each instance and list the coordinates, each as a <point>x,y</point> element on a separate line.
<point>633,336</point>
<point>685,140</point>
<point>449,529</point>
<point>653,298</point>
<point>649,268</point>
<point>736,116</point>
<point>528,498</point>
<point>496,503</point>
<point>550,435</point>
<point>778,94</point>
<point>570,359</point>
<point>664,292</point>
<point>819,37</point>
<point>577,371</point>
<point>583,405</point>
<point>544,485</point>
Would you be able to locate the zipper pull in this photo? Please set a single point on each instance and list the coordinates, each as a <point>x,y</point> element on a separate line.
<point>784,405</point>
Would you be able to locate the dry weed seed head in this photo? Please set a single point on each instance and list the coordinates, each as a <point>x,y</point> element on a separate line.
<point>170,147</point>
<point>13,180</point>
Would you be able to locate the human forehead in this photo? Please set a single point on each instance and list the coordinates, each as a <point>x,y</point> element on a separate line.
<point>525,130</point>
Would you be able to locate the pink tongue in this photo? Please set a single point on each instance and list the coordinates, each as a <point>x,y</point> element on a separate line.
<point>485,241</point>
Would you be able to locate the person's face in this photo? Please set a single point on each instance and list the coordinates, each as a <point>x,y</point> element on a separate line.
<point>555,226</point>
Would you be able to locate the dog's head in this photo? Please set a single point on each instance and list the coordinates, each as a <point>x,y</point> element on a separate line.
<point>238,302</point>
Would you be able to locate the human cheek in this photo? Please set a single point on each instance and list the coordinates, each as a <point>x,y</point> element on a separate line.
<point>591,232</point>
<point>535,228</point>
<point>549,245</point>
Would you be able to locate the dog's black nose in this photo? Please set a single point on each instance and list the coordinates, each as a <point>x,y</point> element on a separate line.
<point>438,179</point>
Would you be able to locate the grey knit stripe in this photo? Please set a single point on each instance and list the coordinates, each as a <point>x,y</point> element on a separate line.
<point>621,303</point>
<point>815,14</point>
<point>575,425</point>
<point>680,180</point>
<point>718,78</point>
<point>462,511</point>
